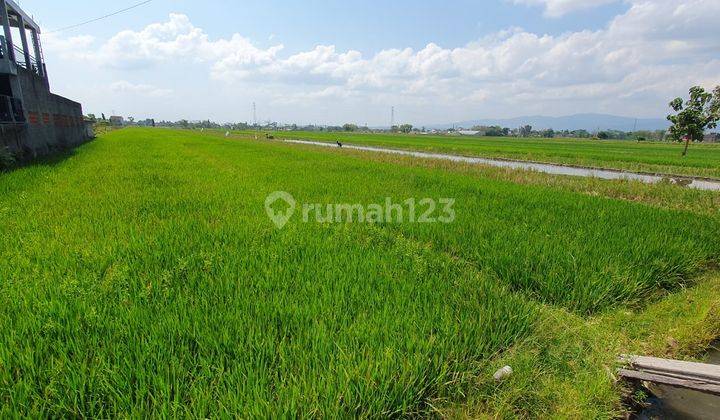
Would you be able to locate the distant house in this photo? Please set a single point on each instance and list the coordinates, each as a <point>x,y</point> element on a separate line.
<point>712,138</point>
<point>468,132</point>
<point>116,120</point>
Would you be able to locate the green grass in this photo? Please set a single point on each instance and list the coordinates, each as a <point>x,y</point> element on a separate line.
<point>663,194</point>
<point>655,157</point>
<point>140,276</point>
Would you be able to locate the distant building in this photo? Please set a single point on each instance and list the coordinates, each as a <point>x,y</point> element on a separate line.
<point>468,132</point>
<point>116,120</point>
<point>33,121</point>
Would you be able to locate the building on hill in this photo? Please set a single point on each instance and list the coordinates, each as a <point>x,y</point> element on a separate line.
<point>33,121</point>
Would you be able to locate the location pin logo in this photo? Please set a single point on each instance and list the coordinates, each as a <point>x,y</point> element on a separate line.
<point>280,216</point>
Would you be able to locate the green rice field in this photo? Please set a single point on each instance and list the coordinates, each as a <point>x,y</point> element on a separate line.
<point>654,157</point>
<point>141,276</point>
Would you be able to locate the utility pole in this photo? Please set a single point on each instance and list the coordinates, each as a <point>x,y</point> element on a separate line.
<point>254,114</point>
<point>392,117</point>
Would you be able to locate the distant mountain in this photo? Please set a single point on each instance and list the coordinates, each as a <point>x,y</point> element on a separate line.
<point>589,122</point>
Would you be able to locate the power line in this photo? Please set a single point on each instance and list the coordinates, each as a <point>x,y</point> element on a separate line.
<point>100,18</point>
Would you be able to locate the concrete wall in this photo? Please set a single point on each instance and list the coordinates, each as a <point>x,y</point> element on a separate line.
<point>53,122</point>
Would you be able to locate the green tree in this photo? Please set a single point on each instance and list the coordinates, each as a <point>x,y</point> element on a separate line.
<point>406,128</point>
<point>549,133</point>
<point>580,133</point>
<point>525,131</point>
<point>491,131</point>
<point>350,127</point>
<point>692,117</point>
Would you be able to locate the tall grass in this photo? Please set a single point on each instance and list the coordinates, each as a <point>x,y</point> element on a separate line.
<point>142,277</point>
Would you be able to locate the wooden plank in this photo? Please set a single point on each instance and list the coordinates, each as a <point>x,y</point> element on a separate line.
<point>695,385</point>
<point>680,376</point>
<point>678,368</point>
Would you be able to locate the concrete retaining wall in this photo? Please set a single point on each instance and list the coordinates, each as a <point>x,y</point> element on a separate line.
<point>53,122</point>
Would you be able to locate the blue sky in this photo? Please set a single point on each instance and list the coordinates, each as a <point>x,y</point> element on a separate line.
<point>337,61</point>
<point>367,26</point>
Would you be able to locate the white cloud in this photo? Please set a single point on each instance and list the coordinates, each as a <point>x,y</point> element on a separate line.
<point>67,48</point>
<point>641,58</point>
<point>123,86</point>
<point>557,8</point>
<point>176,39</point>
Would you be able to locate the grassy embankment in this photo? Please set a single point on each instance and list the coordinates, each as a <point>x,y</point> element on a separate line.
<point>653,157</point>
<point>141,276</point>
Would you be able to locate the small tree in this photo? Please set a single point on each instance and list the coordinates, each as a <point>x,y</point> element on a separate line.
<point>350,127</point>
<point>526,131</point>
<point>549,133</point>
<point>406,128</point>
<point>694,116</point>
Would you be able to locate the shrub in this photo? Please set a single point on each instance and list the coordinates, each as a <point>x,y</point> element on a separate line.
<point>7,159</point>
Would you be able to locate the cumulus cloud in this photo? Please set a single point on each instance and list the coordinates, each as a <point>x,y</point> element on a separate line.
<point>176,39</point>
<point>123,86</point>
<point>652,47</point>
<point>67,48</point>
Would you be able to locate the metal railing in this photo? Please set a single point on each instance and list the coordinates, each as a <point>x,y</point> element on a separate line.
<point>20,60</point>
<point>19,56</point>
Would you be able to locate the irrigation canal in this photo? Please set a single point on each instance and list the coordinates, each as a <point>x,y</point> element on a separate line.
<point>554,169</point>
